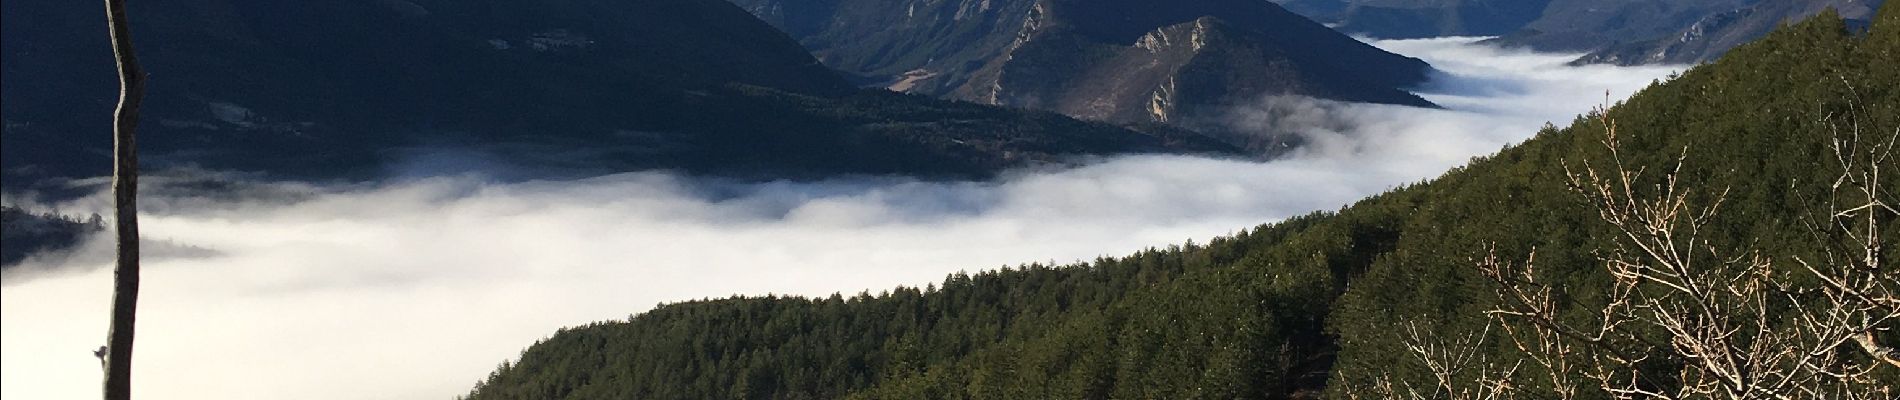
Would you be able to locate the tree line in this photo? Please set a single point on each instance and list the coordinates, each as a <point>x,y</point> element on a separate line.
<point>1385,293</point>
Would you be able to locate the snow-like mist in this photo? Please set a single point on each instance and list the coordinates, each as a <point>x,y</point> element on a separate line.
<point>419,288</point>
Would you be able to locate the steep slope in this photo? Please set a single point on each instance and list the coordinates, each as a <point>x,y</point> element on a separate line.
<point>362,87</point>
<point>1282,311</point>
<point>1119,60</point>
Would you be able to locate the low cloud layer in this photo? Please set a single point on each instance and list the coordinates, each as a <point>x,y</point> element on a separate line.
<point>416,289</point>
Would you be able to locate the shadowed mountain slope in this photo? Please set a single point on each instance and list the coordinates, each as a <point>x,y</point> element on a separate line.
<point>360,88</point>
<point>1111,60</point>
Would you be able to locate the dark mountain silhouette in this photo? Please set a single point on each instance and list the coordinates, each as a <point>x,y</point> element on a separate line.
<point>23,233</point>
<point>1112,60</point>
<point>352,87</point>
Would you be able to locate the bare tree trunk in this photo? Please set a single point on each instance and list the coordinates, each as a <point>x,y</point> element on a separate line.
<point>125,184</point>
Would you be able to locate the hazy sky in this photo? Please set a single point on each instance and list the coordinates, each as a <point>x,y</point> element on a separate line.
<point>417,289</point>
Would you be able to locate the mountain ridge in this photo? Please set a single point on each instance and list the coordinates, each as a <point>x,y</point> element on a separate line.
<point>1075,57</point>
<point>1711,36</point>
<point>352,88</point>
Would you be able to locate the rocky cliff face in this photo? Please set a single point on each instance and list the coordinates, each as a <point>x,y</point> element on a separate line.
<point>1113,60</point>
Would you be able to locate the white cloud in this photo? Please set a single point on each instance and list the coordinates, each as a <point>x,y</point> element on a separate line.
<point>416,289</point>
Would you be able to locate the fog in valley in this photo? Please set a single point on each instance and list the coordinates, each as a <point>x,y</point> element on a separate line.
<point>418,287</point>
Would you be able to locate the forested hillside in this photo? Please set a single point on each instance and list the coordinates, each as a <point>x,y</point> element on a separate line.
<point>23,232</point>
<point>1302,308</point>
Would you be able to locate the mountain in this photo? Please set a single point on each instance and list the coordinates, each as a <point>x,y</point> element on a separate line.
<point>1623,32</point>
<point>1581,25</point>
<point>1407,19</point>
<point>1578,22</point>
<point>1124,61</point>
<point>1294,309</point>
<point>1713,35</point>
<point>361,88</point>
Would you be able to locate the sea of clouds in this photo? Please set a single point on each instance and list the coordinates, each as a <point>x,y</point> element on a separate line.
<point>418,287</point>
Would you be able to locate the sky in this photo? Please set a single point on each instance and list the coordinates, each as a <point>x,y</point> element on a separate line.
<point>418,287</point>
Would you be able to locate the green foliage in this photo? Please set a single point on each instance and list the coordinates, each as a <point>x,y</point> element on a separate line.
<point>1286,310</point>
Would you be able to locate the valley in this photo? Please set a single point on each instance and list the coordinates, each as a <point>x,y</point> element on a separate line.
<point>442,277</point>
<point>946,199</point>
